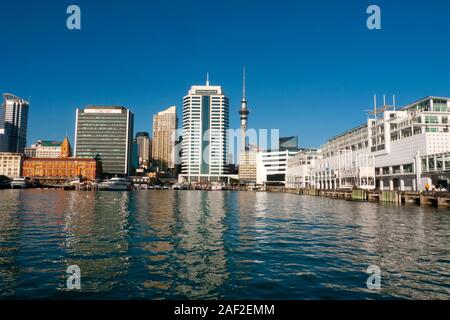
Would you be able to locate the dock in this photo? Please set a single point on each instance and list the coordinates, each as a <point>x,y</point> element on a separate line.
<point>431,198</point>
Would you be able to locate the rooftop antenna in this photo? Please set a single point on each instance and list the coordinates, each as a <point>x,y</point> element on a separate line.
<point>384,100</point>
<point>375,105</point>
<point>207,78</point>
<point>243,83</point>
<point>393,100</point>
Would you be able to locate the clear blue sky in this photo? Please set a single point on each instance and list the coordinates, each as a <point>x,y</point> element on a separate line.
<point>312,66</point>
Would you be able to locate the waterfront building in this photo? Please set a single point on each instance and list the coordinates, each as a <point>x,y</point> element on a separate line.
<point>10,164</point>
<point>271,166</point>
<point>61,168</point>
<point>205,145</point>
<point>299,169</point>
<point>143,149</point>
<point>13,123</point>
<point>105,132</point>
<point>45,149</point>
<point>397,149</point>
<point>163,144</point>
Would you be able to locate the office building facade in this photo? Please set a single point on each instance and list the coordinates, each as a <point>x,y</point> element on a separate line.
<point>13,123</point>
<point>105,133</point>
<point>163,144</point>
<point>205,144</point>
<point>44,149</point>
<point>271,166</point>
<point>10,164</point>
<point>143,149</point>
<point>402,149</point>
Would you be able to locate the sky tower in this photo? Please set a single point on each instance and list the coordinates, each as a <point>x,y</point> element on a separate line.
<point>243,112</point>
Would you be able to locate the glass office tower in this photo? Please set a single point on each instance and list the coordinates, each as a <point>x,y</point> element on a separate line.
<point>105,133</point>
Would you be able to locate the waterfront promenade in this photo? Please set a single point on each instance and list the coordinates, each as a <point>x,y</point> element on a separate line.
<point>431,198</point>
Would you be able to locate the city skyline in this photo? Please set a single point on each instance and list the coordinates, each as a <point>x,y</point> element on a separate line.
<point>289,71</point>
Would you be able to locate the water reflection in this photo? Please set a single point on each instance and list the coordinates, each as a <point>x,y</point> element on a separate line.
<point>194,244</point>
<point>96,231</point>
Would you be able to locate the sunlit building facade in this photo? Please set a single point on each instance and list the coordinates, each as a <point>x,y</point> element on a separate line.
<point>10,164</point>
<point>13,124</point>
<point>205,145</point>
<point>397,149</point>
<point>163,144</point>
<point>106,133</point>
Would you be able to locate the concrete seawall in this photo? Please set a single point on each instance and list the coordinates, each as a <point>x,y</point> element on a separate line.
<point>438,199</point>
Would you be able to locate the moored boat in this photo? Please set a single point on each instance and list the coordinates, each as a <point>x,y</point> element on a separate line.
<point>20,182</point>
<point>118,184</point>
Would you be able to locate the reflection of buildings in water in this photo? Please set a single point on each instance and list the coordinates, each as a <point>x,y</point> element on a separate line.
<point>37,215</point>
<point>156,211</point>
<point>155,220</point>
<point>10,244</point>
<point>96,230</point>
<point>200,254</point>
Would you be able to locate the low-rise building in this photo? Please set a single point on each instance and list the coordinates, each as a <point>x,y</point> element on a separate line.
<point>44,149</point>
<point>299,172</point>
<point>271,166</point>
<point>10,164</point>
<point>61,168</point>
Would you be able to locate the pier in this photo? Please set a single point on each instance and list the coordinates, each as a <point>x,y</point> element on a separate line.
<point>437,199</point>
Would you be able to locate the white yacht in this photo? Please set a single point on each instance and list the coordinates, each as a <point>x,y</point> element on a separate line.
<point>114,184</point>
<point>216,187</point>
<point>20,182</point>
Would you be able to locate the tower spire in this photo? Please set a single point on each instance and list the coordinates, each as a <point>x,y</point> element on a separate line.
<point>207,78</point>
<point>243,112</point>
<point>243,83</point>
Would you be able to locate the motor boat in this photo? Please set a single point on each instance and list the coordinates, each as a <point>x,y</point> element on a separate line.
<point>20,183</point>
<point>114,184</point>
<point>216,187</point>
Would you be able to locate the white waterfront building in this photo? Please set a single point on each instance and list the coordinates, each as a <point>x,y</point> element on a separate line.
<point>299,169</point>
<point>397,149</point>
<point>44,149</point>
<point>10,164</point>
<point>271,166</point>
<point>205,126</point>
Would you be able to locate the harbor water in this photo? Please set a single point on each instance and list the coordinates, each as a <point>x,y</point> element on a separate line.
<point>152,244</point>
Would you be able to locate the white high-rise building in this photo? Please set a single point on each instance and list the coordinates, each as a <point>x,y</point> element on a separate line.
<point>205,125</point>
<point>13,124</point>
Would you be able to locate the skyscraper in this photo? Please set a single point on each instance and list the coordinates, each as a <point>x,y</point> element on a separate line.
<point>143,145</point>
<point>107,133</point>
<point>163,144</point>
<point>13,123</point>
<point>205,125</point>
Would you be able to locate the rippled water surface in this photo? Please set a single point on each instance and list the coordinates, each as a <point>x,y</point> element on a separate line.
<point>209,245</point>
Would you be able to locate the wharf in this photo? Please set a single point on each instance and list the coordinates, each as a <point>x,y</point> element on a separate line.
<point>438,199</point>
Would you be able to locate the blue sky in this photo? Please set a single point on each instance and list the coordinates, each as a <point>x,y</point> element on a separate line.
<point>312,66</point>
